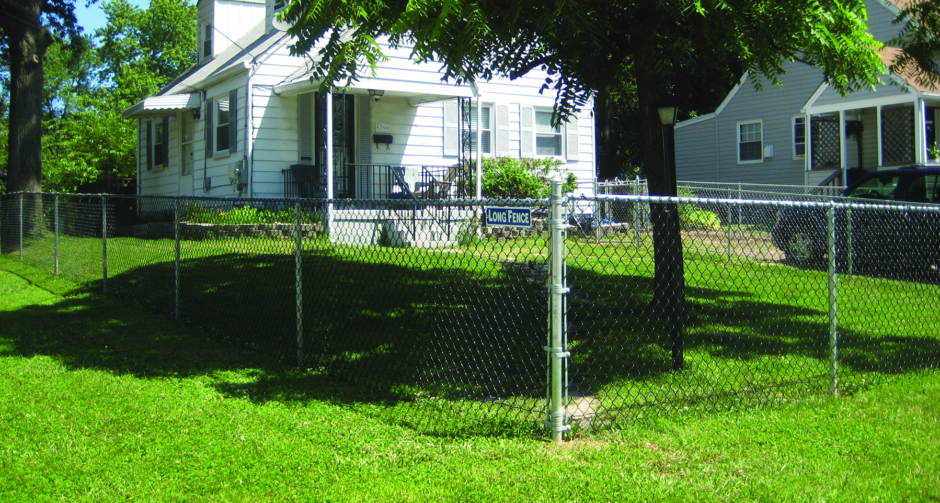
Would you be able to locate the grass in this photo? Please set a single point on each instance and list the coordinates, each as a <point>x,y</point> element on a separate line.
<point>423,330</point>
<point>101,400</point>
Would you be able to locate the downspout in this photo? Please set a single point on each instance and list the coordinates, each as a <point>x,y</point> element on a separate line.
<point>249,120</point>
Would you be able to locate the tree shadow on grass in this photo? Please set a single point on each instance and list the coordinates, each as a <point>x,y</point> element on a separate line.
<point>446,332</point>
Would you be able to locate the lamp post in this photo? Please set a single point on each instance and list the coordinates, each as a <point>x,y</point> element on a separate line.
<point>674,270</point>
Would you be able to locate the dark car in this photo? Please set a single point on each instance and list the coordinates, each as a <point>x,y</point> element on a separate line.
<point>898,227</point>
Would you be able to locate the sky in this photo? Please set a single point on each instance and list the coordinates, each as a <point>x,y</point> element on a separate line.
<point>92,18</point>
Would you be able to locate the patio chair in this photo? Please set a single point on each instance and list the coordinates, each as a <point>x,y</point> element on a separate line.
<point>399,182</point>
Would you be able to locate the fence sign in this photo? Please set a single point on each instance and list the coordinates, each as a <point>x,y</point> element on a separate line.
<point>509,217</point>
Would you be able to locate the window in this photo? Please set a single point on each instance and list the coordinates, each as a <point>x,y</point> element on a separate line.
<point>486,130</point>
<point>547,138</point>
<point>222,124</point>
<point>750,142</point>
<point>279,5</point>
<point>157,151</point>
<point>186,144</point>
<point>799,137</point>
<point>207,41</point>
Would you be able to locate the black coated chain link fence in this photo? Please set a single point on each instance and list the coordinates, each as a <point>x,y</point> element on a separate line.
<point>428,309</point>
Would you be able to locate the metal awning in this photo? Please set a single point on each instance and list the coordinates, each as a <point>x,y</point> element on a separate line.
<point>162,106</point>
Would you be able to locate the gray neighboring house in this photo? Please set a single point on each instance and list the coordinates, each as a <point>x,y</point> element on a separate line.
<point>804,133</point>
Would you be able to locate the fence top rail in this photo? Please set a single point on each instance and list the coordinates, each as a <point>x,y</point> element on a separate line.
<point>840,202</point>
<point>456,202</point>
<point>620,183</point>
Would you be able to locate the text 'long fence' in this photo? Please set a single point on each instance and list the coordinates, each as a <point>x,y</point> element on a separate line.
<point>641,306</point>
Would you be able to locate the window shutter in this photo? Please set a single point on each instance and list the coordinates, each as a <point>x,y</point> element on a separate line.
<point>364,112</point>
<point>233,121</point>
<point>451,128</point>
<point>165,146</point>
<point>210,111</point>
<point>149,145</point>
<point>502,130</point>
<point>305,128</point>
<point>526,139</point>
<point>571,133</point>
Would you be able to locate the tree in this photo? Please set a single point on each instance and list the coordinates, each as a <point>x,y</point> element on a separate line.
<point>584,44</point>
<point>920,41</point>
<point>25,41</point>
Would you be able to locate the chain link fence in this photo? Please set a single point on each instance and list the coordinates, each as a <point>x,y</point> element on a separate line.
<point>468,326</point>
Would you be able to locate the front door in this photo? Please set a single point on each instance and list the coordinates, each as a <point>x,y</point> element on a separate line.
<point>344,142</point>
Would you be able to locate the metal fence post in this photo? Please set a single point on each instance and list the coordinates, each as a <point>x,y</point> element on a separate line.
<point>176,264</point>
<point>55,230</point>
<point>740,196</point>
<point>299,285</point>
<point>21,225</point>
<point>833,304</point>
<point>557,288</point>
<point>728,231</point>
<point>848,236</point>
<point>104,243</point>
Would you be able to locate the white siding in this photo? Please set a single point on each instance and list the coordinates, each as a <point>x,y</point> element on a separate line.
<point>233,18</point>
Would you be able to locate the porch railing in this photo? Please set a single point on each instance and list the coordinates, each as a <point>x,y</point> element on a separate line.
<point>380,181</point>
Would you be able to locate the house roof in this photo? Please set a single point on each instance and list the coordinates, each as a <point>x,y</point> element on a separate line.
<point>234,57</point>
<point>910,75</point>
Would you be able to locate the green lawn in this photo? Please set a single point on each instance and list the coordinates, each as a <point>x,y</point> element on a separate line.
<point>102,400</point>
<point>430,330</point>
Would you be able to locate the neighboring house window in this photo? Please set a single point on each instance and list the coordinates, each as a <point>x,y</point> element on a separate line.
<point>279,5</point>
<point>548,139</point>
<point>799,137</point>
<point>186,144</point>
<point>750,142</point>
<point>222,124</point>
<point>207,41</point>
<point>486,129</point>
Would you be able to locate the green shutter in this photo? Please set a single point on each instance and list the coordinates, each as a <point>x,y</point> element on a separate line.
<point>209,131</point>
<point>233,121</point>
<point>149,145</point>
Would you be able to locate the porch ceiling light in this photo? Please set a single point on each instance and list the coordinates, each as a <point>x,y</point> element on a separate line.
<point>667,115</point>
<point>376,93</point>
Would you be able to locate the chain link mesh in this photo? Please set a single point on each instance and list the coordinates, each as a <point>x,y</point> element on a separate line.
<point>427,308</point>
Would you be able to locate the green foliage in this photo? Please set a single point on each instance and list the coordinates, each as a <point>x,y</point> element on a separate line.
<point>87,85</point>
<point>692,217</point>
<point>510,178</point>
<point>243,215</point>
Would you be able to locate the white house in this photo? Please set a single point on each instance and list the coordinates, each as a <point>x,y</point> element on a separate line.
<point>804,133</point>
<point>247,121</point>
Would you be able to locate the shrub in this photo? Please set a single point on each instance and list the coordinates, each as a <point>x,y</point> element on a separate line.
<point>691,217</point>
<point>242,215</point>
<point>509,178</point>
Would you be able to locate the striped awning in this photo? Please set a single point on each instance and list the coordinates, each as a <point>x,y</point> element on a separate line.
<point>162,106</point>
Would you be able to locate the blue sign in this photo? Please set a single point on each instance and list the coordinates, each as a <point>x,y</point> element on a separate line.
<point>509,217</point>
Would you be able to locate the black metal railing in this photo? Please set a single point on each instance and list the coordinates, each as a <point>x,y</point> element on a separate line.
<point>380,181</point>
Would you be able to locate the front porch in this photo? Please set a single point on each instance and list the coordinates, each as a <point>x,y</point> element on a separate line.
<point>849,139</point>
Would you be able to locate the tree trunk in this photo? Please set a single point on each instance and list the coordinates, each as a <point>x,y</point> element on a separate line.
<point>27,41</point>
<point>669,278</point>
<point>607,167</point>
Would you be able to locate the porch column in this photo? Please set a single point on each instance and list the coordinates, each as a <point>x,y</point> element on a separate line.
<point>328,120</point>
<point>478,191</point>
<point>920,129</point>
<point>880,140</point>
<point>842,158</point>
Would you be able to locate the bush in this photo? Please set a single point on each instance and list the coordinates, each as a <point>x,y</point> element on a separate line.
<point>691,217</point>
<point>509,178</point>
<point>243,215</point>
